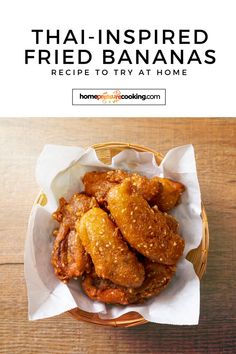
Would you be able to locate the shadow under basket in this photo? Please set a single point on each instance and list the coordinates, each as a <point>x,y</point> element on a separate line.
<point>198,256</point>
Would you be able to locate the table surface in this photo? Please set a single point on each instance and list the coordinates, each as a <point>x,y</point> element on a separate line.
<point>214,140</point>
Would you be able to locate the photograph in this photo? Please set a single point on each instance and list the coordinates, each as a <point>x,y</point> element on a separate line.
<point>157,181</point>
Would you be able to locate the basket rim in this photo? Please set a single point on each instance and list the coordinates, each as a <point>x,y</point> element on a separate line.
<point>117,144</point>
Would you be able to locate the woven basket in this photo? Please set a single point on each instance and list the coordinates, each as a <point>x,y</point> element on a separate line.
<point>197,256</point>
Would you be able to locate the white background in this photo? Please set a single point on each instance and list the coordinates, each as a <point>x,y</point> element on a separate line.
<point>29,90</point>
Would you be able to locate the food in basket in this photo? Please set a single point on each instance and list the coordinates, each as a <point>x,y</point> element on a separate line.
<point>156,279</point>
<point>118,236</point>
<point>110,254</point>
<point>69,257</point>
<point>144,229</point>
<point>162,192</point>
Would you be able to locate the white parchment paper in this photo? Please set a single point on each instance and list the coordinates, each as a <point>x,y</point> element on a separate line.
<point>59,171</point>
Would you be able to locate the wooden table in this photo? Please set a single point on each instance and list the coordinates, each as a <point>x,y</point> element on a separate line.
<point>21,141</point>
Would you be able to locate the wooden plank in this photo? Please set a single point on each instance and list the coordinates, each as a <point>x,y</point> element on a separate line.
<point>63,334</point>
<point>21,141</point>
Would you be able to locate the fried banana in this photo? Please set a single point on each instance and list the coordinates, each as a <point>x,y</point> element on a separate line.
<point>69,257</point>
<point>98,184</point>
<point>99,289</point>
<point>110,254</point>
<point>157,276</point>
<point>70,211</point>
<point>170,194</point>
<point>145,230</point>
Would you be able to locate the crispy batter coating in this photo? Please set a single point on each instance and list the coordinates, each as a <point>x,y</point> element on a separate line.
<point>172,223</point>
<point>161,191</point>
<point>110,254</point>
<point>70,211</point>
<point>149,189</point>
<point>157,276</point>
<point>170,220</point>
<point>170,194</point>
<point>144,230</point>
<point>69,257</point>
<point>98,184</point>
<point>104,290</point>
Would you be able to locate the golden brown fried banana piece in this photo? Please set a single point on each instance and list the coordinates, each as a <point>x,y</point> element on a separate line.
<point>104,290</point>
<point>70,211</point>
<point>170,194</point>
<point>161,191</point>
<point>110,254</point>
<point>69,257</point>
<point>144,230</point>
<point>157,276</point>
<point>98,184</point>
<point>149,189</point>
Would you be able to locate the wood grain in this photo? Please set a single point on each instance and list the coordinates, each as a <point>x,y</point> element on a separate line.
<point>21,141</point>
